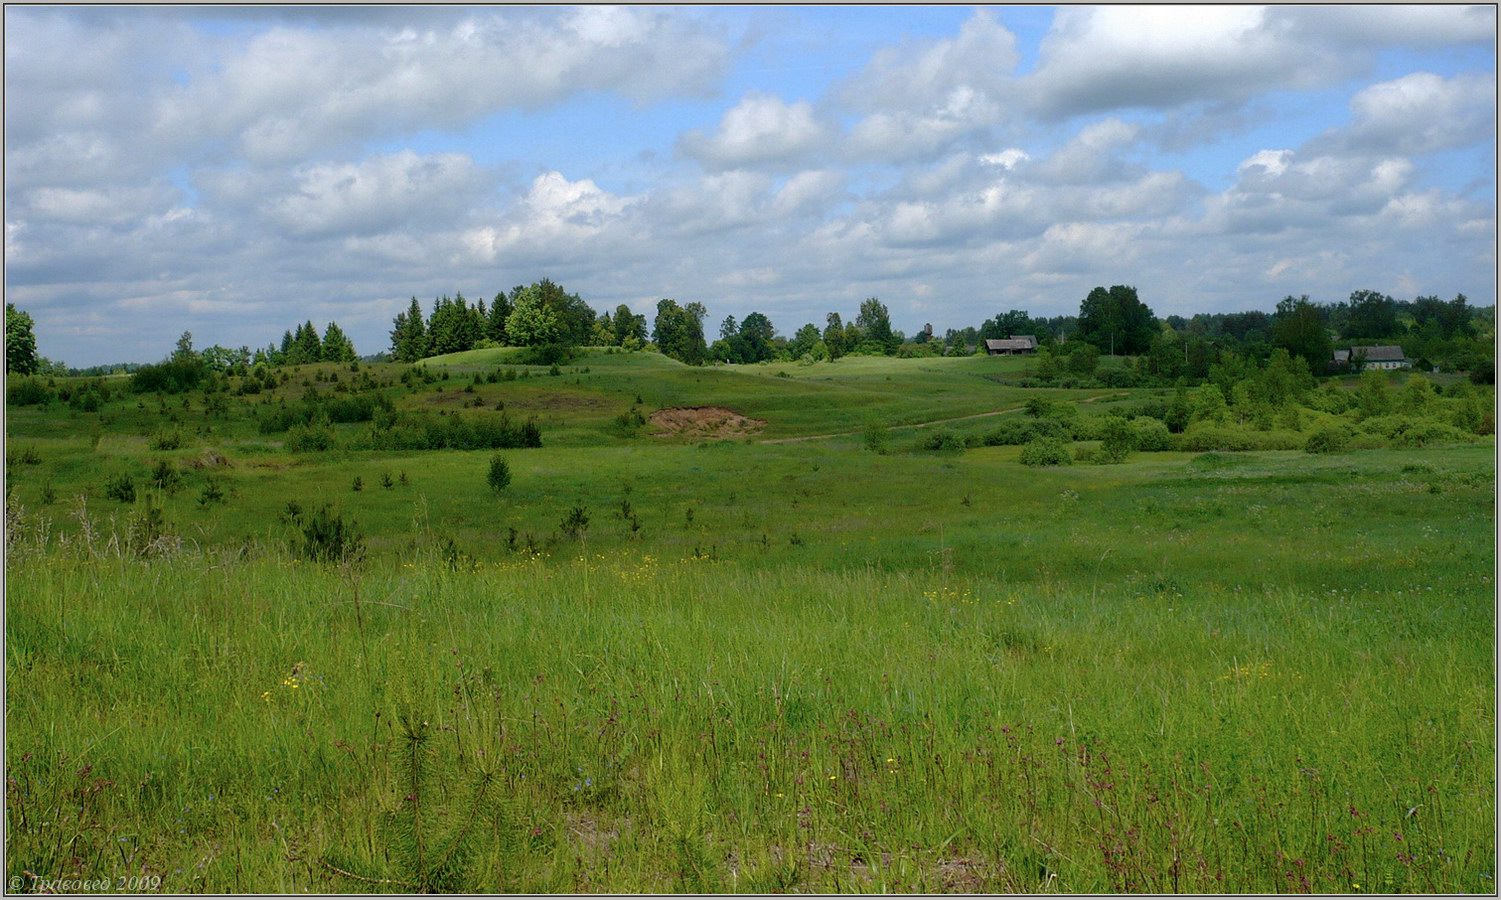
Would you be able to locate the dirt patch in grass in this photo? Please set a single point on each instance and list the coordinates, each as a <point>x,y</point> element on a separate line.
<point>703,422</point>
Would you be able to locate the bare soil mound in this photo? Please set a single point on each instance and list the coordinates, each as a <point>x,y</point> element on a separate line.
<point>701,422</point>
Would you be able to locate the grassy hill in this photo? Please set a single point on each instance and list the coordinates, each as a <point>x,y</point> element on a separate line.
<point>756,657</point>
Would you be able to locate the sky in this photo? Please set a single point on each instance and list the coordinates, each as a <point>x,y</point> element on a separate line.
<point>234,172</point>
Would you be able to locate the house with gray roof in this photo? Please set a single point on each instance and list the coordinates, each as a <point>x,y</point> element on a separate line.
<point>1377,356</point>
<point>1016,343</point>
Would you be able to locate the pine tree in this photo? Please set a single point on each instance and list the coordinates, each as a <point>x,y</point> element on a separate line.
<point>409,341</point>
<point>336,346</point>
<point>495,323</point>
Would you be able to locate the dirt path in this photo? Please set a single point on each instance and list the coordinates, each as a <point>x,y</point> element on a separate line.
<point>983,415</point>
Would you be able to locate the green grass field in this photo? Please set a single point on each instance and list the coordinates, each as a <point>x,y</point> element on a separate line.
<point>762,665</point>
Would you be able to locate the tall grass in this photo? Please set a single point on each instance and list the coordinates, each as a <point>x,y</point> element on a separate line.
<point>665,726</point>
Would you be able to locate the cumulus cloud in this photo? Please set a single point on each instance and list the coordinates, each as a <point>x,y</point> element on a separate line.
<point>1419,113</point>
<point>922,97</point>
<point>292,91</point>
<point>761,129</point>
<point>1120,57</point>
<point>377,194</point>
<point>286,164</point>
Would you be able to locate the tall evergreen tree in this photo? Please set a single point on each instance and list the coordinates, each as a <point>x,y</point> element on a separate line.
<point>336,345</point>
<point>495,322</point>
<point>409,335</point>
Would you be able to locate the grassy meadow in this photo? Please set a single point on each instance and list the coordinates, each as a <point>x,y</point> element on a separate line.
<point>774,660</point>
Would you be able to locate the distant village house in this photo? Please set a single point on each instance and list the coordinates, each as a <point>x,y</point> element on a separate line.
<point>1381,356</point>
<point>1016,343</point>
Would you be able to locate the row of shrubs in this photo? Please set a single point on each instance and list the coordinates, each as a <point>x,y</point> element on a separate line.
<point>421,431</point>
<point>1045,441</point>
<point>316,409</point>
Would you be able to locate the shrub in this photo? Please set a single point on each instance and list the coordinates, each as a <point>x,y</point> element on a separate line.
<point>21,391</point>
<point>1046,451</point>
<point>1152,435</point>
<point>326,537</point>
<point>167,440</point>
<point>305,438</point>
<point>121,487</point>
<point>877,438</point>
<point>1117,439</point>
<point>165,476</point>
<point>212,493</point>
<point>1329,439</point>
<point>420,431</point>
<point>576,522</point>
<point>1402,431</point>
<point>942,440</point>
<point>499,476</point>
<point>171,377</point>
<point>1202,436</point>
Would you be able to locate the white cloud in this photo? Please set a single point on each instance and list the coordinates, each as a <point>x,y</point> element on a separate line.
<point>922,97</point>
<point>1419,113</point>
<point>292,91</point>
<point>377,194</point>
<point>760,129</point>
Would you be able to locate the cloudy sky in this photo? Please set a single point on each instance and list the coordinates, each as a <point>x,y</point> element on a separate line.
<point>235,172</point>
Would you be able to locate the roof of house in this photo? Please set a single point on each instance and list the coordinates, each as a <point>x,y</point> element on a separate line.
<point>1381,353</point>
<point>1031,339</point>
<point>1010,344</point>
<point>1342,356</point>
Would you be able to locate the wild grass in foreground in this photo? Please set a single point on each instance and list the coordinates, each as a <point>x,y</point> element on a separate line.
<point>623,723</point>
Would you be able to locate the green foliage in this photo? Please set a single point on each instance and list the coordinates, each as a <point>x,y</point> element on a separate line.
<point>325,537</point>
<point>575,523</point>
<point>165,477</point>
<point>499,475</point>
<point>1046,451</point>
<point>942,440</point>
<point>175,376</point>
<point>1117,439</point>
<point>310,439</point>
<point>120,487</point>
<point>1300,330</point>
<point>423,431</point>
<point>1328,439</point>
<point>27,391</point>
<point>213,492</point>
<point>1207,436</point>
<point>1151,435</point>
<point>20,341</point>
<point>876,437</point>
<point>1116,321</point>
<point>532,323</point>
<point>679,332</point>
<point>336,345</point>
<point>1407,431</point>
<point>430,846</point>
<point>1373,397</point>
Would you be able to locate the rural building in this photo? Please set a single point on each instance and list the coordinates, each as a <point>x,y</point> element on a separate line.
<point>1016,343</point>
<point>1381,356</point>
<point>1342,357</point>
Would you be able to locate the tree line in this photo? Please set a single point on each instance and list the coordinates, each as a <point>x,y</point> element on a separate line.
<point>550,321</point>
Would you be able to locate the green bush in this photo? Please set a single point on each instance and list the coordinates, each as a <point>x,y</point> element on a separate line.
<point>942,440</point>
<point>1046,451</point>
<point>326,537</point>
<point>1117,439</point>
<point>1152,435</point>
<point>309,438</point>
<point>121,487</point>
<point>1202,436</point>
<point>1406,431</point>
<point>1329,439</point>
<point>22,391</point>
<point>499,476</point>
